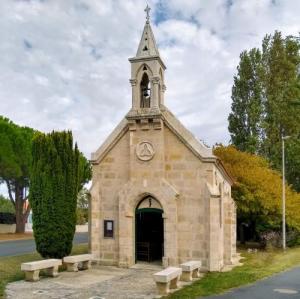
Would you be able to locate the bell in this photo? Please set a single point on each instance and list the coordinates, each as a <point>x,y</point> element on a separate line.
<point>145,94</point>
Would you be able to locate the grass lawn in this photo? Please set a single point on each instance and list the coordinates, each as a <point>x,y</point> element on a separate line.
<point>10,267</point>
<point>256,266</point>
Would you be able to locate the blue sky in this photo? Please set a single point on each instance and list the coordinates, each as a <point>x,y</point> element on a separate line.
<point>64,64</point>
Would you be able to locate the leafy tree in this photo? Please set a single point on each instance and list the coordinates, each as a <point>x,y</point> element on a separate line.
<point>83,198</point>
<point>281,62</point>
<point>15,160</point>
<point>264,94</point>
<point>257,190</point>
<point>56,177</point>
<point>6,206</point>
<point>246,116</point>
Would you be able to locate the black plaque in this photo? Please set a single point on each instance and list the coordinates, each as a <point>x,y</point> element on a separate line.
<point>108,228</point>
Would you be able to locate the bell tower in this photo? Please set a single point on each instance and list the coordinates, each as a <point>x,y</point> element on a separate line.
<point>147,76</point>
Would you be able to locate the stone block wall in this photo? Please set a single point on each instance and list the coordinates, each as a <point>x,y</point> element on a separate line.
<point>108,176</point>
<point>188,174</point>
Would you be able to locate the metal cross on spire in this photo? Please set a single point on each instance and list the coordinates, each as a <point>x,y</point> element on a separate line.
<point>147,10</point>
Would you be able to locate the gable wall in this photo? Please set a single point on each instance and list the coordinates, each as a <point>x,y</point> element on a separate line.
<point>111,173</point>
<point>188,174</point>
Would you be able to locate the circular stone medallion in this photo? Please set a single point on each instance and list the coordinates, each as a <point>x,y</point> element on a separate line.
<point>145,151</point>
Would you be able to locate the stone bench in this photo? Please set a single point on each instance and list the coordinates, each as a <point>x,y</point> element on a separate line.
<point>32,269</point>
<point>73,261</point>
<point>167,279</point>
<point>190,270</point>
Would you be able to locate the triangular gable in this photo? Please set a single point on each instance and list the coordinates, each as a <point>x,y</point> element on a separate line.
<point>203,152</point>
<point>110,141</point>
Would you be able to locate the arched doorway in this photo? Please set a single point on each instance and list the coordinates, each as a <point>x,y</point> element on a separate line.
<point>149,231</point>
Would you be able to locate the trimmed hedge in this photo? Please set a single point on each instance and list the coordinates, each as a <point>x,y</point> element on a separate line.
<point>7,218</point>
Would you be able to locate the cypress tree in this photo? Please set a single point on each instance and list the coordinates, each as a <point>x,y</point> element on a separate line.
<point>53,192</point>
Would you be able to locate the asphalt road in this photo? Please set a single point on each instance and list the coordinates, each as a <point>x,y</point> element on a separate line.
<point>280,286</point>
<point>17,247</point>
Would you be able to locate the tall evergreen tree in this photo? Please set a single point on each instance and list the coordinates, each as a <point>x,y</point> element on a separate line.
<point>245,118</point>
<point>55,181</point>
<point>281,81</point>
<point>265,88</point>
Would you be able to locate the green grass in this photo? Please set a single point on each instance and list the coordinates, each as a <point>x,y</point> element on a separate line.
<point>10,267</point>
<point>256,266</point>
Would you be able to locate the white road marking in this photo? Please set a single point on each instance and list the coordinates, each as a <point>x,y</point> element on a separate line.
<point>285,291</point>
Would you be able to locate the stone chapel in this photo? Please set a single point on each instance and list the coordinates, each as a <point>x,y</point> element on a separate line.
<point>158,193</point>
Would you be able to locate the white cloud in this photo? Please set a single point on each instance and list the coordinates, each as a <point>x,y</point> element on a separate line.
<point>64,63</point>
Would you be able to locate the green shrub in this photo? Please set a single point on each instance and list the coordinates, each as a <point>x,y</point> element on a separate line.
<point>7,218</point>
<point>6,205</point>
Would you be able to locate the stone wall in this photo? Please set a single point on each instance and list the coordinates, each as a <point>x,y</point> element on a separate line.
<point>188,174</point>
<point>7,228</point>
<point>108,177</point>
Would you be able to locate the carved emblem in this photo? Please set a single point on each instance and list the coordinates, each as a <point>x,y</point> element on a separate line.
<point>145,151</point>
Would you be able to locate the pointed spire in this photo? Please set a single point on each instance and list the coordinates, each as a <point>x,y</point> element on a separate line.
<point>147,46</point>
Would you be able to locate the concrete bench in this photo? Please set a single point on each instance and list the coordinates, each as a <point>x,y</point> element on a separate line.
<point>167,279</point>
<point>32,269</point>
<point>190,270</point>
<point>73,261</point>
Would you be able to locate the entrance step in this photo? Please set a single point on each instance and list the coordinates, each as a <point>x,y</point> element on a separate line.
<point>155,266</point>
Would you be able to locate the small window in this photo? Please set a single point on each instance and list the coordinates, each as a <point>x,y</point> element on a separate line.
<point>108,229</point>
<point>145,48</point>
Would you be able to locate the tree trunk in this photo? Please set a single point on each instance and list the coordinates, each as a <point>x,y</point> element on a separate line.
<point>242,234</point>
<point>21,215</point>
<point>20,225</point>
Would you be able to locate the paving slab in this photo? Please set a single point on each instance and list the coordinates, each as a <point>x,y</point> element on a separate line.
<point>98,282</point>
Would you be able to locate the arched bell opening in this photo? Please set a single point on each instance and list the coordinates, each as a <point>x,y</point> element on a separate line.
<point>145,91</point>
<point>149,231</point>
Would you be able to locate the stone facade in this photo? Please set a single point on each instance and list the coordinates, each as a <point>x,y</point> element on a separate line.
<point>150,153</point>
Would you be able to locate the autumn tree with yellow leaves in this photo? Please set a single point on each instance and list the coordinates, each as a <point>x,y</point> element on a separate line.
<point>257,190</point>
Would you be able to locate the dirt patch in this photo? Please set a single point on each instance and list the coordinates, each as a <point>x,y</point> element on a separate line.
<point>10,237</point>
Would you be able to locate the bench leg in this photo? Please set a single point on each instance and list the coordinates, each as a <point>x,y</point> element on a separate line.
<point>86,265</point>
<point>186,276</point>
<point>72,267</point>
<point>32,275</point>
<point>53,272</point>
<point>174,283</point>
<point>163,288</point>
<point>196,273</point>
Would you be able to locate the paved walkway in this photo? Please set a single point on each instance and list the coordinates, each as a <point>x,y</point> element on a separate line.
<point>98,282</point>
<point>17,247</point>
<point>117,283</point>
<point>284,285</point>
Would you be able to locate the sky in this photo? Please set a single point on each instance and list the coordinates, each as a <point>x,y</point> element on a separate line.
<point>64,63</point>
